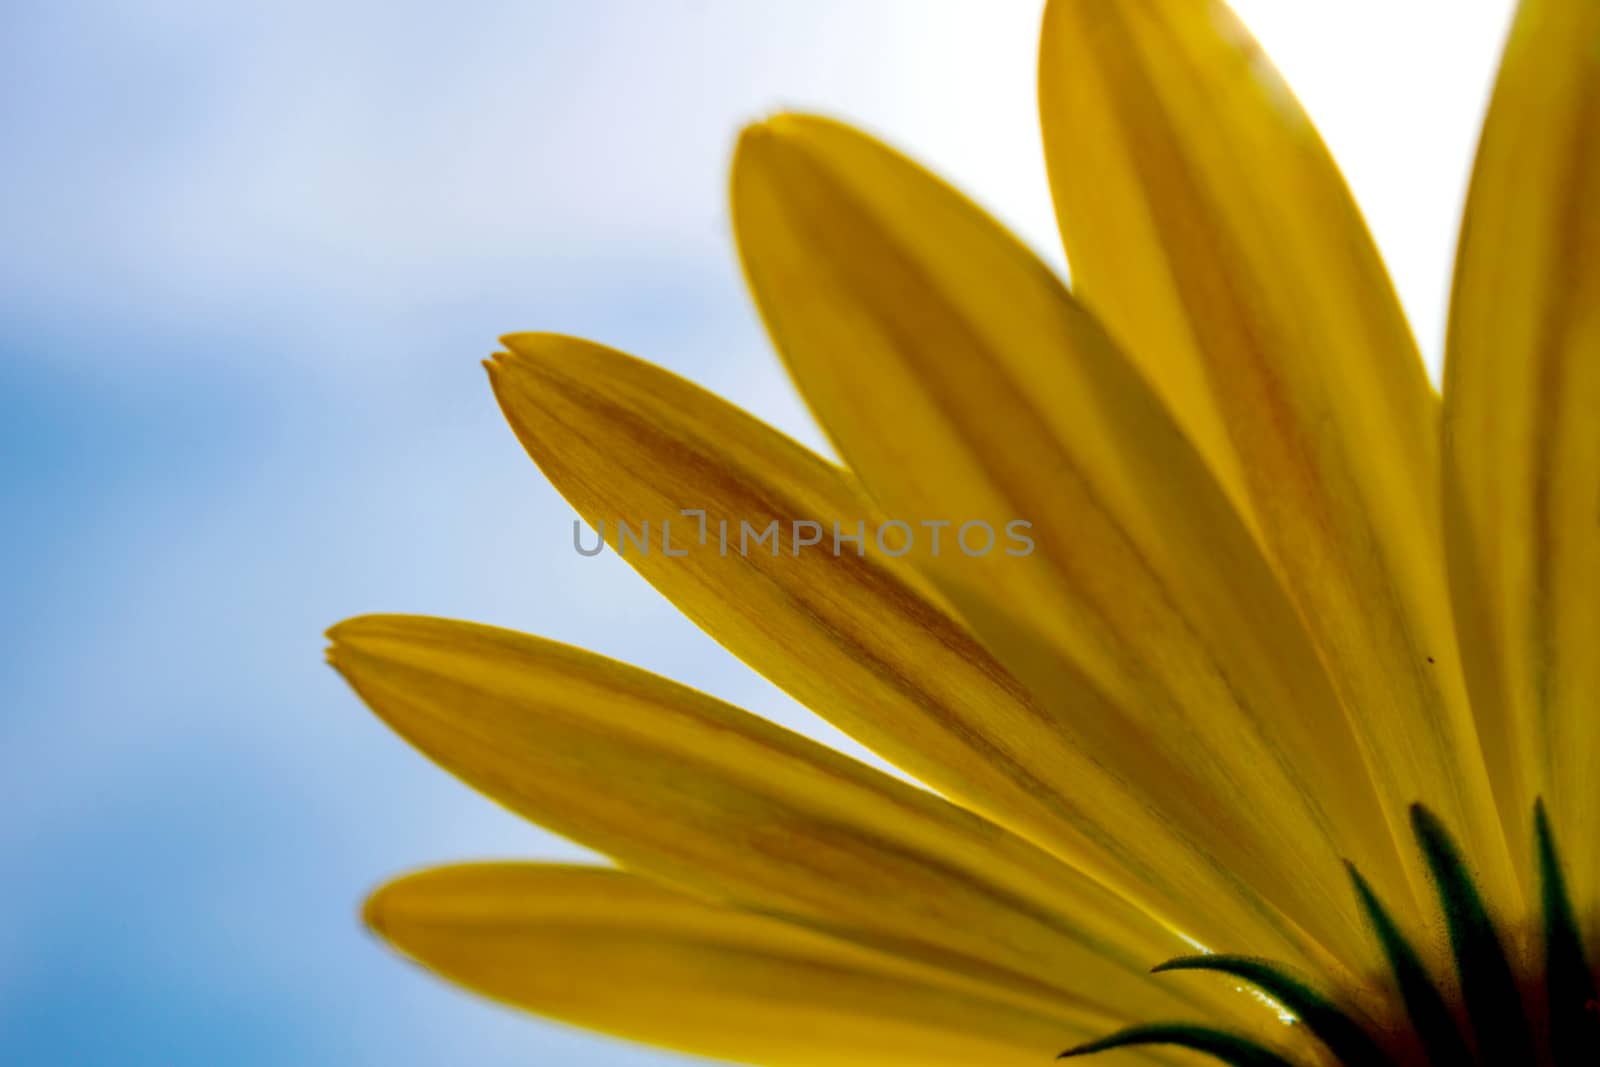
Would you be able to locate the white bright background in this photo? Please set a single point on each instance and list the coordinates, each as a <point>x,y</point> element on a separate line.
<point>251,253</point>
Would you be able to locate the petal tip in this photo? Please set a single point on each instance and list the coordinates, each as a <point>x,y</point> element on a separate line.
<point>778,124</point>
<point>759,140</point>
<point>793,129</point>
<point>375,912</point>
<point>522,345</point>
<point>338,637</point>
<point>755,134</point>
<point>347,632</point>
<point>367,636</point>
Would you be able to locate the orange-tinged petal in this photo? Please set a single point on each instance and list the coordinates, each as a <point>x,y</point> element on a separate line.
<point>1522,432</point>
<point>1208,227</point>
<point>618,953</point>
<point>957,377</point>
<point>676,785</point>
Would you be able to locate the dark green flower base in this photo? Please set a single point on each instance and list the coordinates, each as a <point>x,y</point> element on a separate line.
<point>1500,1031</point>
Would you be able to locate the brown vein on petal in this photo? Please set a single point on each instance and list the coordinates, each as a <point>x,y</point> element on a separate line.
<point>854,845</point>
<point>817,221</point>
<point>1201,292</point>
<point>864,573</point>
<point>647,439</point>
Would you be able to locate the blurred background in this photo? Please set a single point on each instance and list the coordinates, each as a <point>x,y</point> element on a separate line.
<point>251,254</point>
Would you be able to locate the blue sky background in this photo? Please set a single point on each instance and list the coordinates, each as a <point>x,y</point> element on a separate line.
<point>251,254</point>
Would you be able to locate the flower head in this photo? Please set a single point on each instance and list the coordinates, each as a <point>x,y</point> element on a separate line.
<point>1283,656</point>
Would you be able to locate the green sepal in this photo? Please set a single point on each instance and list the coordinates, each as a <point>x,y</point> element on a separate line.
<point>1332,1026</point>
<point>1425,1005</point>
<point>1231,1049</point>
<point>1574,1024</point>
<point>1488,986</point>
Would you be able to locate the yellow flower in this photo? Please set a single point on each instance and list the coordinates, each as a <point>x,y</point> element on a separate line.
<point>1284,614</point>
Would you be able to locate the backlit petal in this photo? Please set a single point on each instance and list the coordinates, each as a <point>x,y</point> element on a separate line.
<point>1522,431</point>
<point>856,637</point>
<point>676,785</point>
<point>615,952</point>
<point>959,379</point>
<point>1206,224</point>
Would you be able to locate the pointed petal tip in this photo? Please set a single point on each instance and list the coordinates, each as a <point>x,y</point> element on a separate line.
<point>792,130</point>
<point>362,638</point>
<point>527,344</point>
<point>338,635</point>
<point>541,351</point>
<point>783,123</point>
<point>336,632</point>
<point>375,911</point>
<point>348,632</point>
<point>344,639</point>
<point>755,134</point>
<point>397,906</point>
<point>531,356</point>
<point>758,142</point>
<point>424,895</point>
<point>762,133</point>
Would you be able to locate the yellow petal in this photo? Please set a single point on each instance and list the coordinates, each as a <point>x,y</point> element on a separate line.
<point>676,785</point>
<point>845,628</point>
<point>854,638</point>
<point>1522,431</point>
<point>958,379</point>
<point>618,953</point>
<point>1208,227</point>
